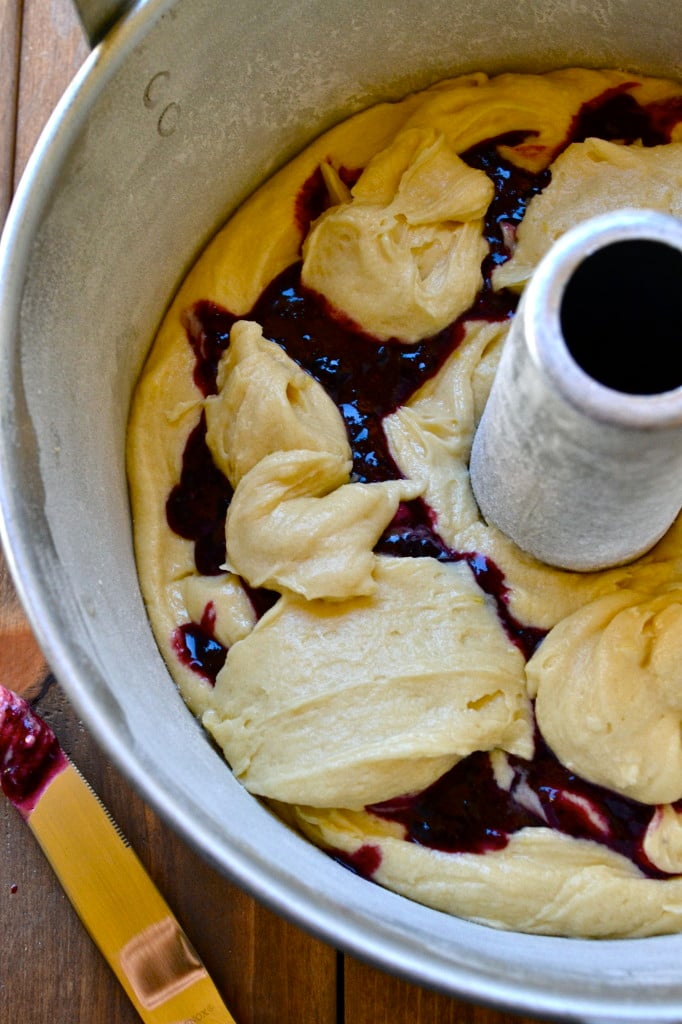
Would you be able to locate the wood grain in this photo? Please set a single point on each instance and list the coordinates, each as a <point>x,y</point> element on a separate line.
<point>10,41</point>
<point>50,971</point>
<point>53,47</point>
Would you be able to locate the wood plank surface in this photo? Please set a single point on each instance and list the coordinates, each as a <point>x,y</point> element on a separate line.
<point>10,36</point>
<point>50,971</point>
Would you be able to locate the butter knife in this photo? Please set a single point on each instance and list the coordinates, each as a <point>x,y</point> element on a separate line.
<point>112,893</point>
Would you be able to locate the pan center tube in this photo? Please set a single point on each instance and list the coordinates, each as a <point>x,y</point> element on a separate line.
<point>621,313</point>
<point>578,455</point>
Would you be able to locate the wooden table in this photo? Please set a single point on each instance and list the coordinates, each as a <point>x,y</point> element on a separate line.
<point>50,972</point>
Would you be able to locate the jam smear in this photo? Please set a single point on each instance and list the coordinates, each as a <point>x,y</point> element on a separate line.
<point>364,861</point>
<point>466,811</point>
<point>514,189</point>
<point>262,599</point>
<point>616,115</point>
<point>663,116</point>
<point>313,198</point>
<point>30,754</point>
<point>491,580</point>
<point>195,643</point>
<point>196,646</point>
<point>413,534</point>
<point>197,505</point>
<point>207,326</point>
<point>366,380</point>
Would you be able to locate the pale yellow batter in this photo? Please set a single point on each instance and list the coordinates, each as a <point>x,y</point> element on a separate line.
<point>372,676</point>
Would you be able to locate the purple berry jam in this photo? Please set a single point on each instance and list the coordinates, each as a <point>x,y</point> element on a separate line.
<point>261,599</point>
<point>617,116</point>
<point>197,505</point>
<point>514,189</point>
<point>207,327</point>
<point>196,646</point>
<point>313,198</point>
<point>30,755</point>
<point>413,534</point>
<point>465,810</point>
<point>364,861</point>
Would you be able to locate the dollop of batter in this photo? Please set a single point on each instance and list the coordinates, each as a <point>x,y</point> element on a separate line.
<point>589,177</point>
<point>266,404</point>
<point>402,256</point>
<point>488,735</point>
<point>608,687</point>
<point>345,704</point>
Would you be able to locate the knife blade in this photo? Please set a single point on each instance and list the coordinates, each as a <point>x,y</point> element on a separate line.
<point>125,914</point>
